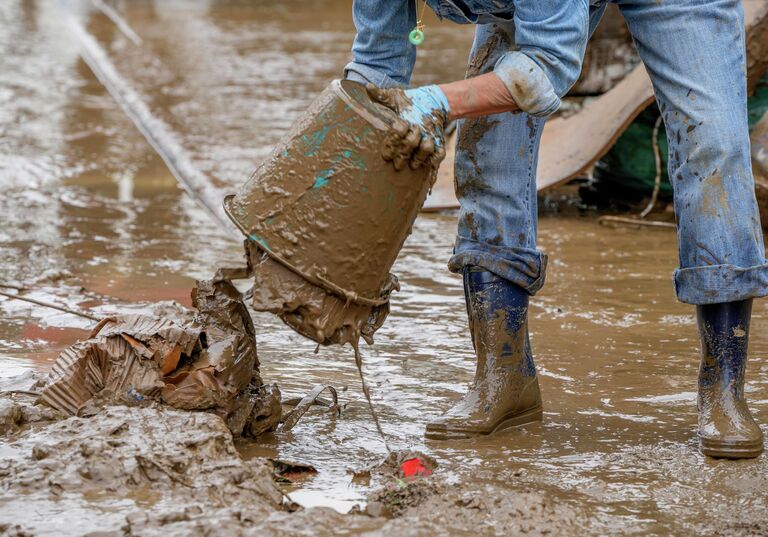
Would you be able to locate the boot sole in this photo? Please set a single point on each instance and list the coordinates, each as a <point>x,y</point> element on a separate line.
<point>456,433</point>
<point>731,450</point>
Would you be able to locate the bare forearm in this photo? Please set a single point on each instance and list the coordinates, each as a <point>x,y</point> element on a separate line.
<point>479,96</point>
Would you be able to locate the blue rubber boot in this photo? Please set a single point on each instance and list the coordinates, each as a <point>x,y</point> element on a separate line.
<point>505,391</point>
<point>726,427</point>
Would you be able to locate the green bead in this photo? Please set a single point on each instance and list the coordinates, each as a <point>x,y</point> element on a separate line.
<point>416,36</point>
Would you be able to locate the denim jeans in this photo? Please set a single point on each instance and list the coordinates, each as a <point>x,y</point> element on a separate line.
<point>694,52</point>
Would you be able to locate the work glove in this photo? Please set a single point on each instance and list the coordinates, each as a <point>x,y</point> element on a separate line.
<point>416,138</point>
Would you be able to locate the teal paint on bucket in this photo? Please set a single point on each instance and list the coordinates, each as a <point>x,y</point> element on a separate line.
<point>315,140</point>
<point>356,160</point>
<point>261,241</point>
<point>321,179</point>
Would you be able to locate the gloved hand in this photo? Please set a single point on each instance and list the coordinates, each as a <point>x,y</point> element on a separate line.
<point>417,135</point>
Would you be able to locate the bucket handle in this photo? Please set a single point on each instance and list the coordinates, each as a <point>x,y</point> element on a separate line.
<point>323,282</point>
<point>317,280</point>
<point>351,296</point>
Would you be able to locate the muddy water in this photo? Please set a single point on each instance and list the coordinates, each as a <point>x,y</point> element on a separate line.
<point>90,217</point>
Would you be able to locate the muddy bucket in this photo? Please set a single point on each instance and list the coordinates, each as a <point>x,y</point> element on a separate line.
<point>325,217</point>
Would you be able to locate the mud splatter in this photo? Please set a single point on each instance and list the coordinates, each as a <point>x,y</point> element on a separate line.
<point>484,58</point>
<point>471,132</point>
<point>470,224</point>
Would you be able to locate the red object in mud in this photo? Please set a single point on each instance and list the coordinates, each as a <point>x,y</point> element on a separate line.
<point>414,468</point>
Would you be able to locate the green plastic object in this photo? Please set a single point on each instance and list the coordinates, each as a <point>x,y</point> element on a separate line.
<point>416,37</point>
<point>628,170</point>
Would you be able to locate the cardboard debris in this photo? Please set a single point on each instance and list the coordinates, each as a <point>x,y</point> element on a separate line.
<point>205,360</point>
<point>256,410</point>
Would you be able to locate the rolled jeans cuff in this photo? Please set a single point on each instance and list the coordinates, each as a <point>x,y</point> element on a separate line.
<point>358,72</point>
<point>524,267</point>
<point>528,84</point>
<point>720,283</point>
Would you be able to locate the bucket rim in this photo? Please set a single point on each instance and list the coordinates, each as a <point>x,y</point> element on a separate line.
<point>376,114</point>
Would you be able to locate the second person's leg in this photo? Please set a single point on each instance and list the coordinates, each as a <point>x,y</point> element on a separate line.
<point>695,54</point>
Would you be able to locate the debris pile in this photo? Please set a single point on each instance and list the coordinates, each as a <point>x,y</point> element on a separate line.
<point>201,360</point>
<point>403,483</point>
<point>405,464</point>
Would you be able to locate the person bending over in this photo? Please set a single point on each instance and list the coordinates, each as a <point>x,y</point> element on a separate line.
<point>526,55</point>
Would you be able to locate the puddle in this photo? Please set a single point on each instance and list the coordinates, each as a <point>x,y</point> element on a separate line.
<point>316,498</point>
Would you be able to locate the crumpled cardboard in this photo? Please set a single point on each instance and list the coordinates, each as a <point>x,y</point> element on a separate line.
<point>205,360</point>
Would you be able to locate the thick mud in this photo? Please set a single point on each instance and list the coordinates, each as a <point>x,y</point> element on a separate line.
<point>131,471</point>
<point>152,470</point>
<point>91,218</point>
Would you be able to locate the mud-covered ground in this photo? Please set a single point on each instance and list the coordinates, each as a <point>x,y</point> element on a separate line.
<point>91,217</point>
<point>151,470</point>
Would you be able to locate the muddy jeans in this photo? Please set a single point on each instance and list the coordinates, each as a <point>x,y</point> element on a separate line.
<point>694,51</point>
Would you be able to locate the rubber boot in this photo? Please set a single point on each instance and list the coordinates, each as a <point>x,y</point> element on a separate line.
<point>726,427</point>
<point>505,391</point>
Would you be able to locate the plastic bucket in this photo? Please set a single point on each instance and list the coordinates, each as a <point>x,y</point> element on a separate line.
<point>325,217</point>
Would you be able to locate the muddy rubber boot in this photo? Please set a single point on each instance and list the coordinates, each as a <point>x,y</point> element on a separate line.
<point>505,391</point>
<point>726,427</point>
